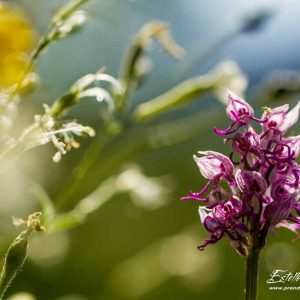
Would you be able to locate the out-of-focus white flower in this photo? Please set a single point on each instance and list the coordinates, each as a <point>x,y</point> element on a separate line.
<point>72,24</point>
<point>145,192</point>
<point>229,76</point>
<point>22,296</point>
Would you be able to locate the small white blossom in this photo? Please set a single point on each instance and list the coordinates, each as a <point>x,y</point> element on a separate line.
<point>62,138</point>
<point>72,24</point>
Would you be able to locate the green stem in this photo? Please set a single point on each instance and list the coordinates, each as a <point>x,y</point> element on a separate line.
<point>14,260</point>
<point>180,95</point>
<point>47,38</point>
<point>252,273</point>
<point>17,253</point>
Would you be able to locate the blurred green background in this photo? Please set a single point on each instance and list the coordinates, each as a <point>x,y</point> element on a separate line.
<point>141,244</point>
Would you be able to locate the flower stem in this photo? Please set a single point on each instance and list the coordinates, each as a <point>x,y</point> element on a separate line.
<point>17,252</point>
<point>14,261</point>
<point>252,273</point>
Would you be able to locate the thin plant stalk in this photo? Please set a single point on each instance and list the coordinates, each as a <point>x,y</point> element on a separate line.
<point>47,38</point>
<point>252,269</point>
<point>252,260</point>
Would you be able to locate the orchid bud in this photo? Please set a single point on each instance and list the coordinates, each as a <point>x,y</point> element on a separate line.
<point>250,182</point>
<point>214,164</point>
<point>238,110</point>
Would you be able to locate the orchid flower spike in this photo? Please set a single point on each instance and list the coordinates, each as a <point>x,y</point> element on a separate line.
<point>263,181</point>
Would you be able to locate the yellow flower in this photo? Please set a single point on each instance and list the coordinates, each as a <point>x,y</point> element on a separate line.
<point>16,40</point>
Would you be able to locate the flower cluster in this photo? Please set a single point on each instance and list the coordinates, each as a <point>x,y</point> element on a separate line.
<point>256,188</point>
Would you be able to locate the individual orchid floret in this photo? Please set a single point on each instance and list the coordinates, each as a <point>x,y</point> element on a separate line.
<point>240,112</point>
<point>247,145</point>
<point>276,117</point>
<point>212,226</point>
<point>285,188</point>
<point>223,219</point>
<point>277,211</point>
<point>280,120</point>
<point>246,142</point>
<point>284,193</point>
<point>214,165</point>
<point>285,150</point>
<point>250,182</point>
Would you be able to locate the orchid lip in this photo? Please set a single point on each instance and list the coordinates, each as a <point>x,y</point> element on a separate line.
<point>231,129</point>
<point>187,198</point>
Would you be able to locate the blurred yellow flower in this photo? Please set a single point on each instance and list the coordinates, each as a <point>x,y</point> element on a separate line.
<point>16,40</point>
